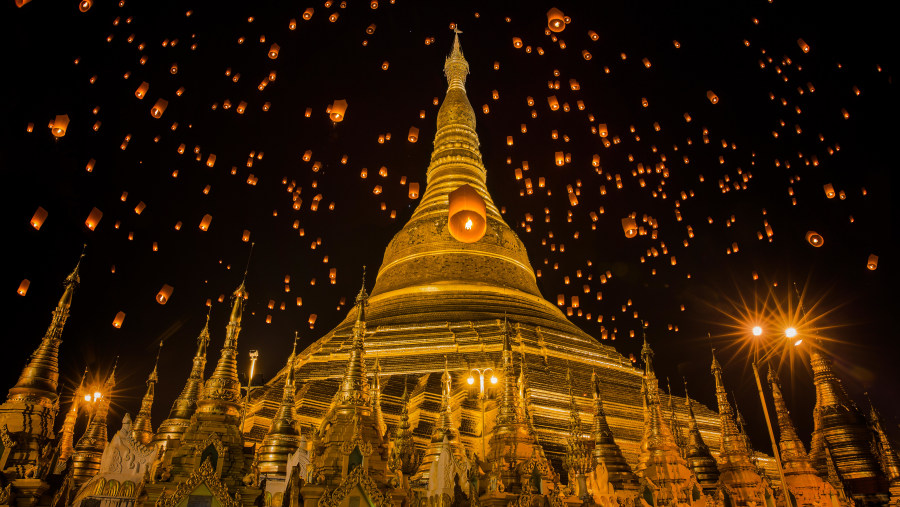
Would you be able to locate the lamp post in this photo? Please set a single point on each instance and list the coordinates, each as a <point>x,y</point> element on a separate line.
<point>482,395</point>
<point>254,355</point>
<point>789,333</point>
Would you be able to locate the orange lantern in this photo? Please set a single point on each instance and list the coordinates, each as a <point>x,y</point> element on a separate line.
<point>93,219</point>
<point>713,98</point>
<point>159,108</point>
<point>162,297</point>
<point>273,51</point>
<point>246,236</point>
<point>413,135</point>
<point>211,160</point>
<point>560,158</point>
<point>204,224</point>
<point>37,220</point>
<point>629,226</point>
<point>815,239</point>
<point>312,320</point>
<point>141,91</point>
<point>59,125</point>
<point>85,5</point>
<point>517,42</point>
<point>338,110</point>
<point>554,104</point>
<point>556,21</point>
<point>140,207</point>
<point>308,13</point>
<point>803,45</point>
<point>872,264</point>
<point>413,190</point>
<point>120,318</point>
<point>23,287</point>
<point>829,190</point>
<point>467,218</point>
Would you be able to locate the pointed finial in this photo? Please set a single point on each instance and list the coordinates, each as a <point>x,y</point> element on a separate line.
<point>456,68</point>
<point>296,337</point>
<point>249,256</point>
<point>362,297</point>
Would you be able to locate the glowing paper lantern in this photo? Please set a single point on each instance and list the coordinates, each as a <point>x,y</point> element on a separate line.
<point>413,135</point>
<point>413,190</point>
<point>713,98</point>
<point>556,21</point>
<point>629,227</point>
<point>273,51</point>
<point>467,218</point>
<point>120,318</point>
<point>871,264</point>
<point>204,223</point>
<point>815,239</point>
<point>829,190</point>
<point>159,108</point>
<point>37,220</point>
<point>246,236</point>
<point>59,125</point>
<point>162,297</point>
<point>141,91</point>
<point>93,219</point>
<point>337,110</point>
<point>23,287</point>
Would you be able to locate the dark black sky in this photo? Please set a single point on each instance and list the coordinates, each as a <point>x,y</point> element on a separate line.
<point>322,61</point>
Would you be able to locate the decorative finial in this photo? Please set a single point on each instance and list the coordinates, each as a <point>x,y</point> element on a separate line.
<point>296,337</point>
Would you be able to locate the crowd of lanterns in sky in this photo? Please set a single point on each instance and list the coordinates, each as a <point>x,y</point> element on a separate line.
<point>636,160</point>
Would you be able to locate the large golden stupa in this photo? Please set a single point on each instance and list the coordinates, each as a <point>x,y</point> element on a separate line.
<point>436,297</point>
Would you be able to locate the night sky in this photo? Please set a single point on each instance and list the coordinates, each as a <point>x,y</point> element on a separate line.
<point>652,65</point>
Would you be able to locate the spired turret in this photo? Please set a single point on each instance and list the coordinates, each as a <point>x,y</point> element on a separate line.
<point>90,447</point>
<point>142,428</point>
<point>807,489</point>
<point>67,434</point>
<point>696,452</point>
<point>739,481</point>
<point>168,436</point>
<point>887,455</point>
<point>284,436</point>
<point>29,413</point>
<point>839,429</point>
<point>444,434</point>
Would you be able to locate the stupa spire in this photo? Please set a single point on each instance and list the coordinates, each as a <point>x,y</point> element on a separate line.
<point>283,437</point>
<point>354,390</point>
<point>507,413</point>
<point>222,392</point>
<point>606,451</point>
<point>887,455</point>
<point>142,429</point>
<point>67,434</point>
<point>39,380</point>
<point>90,447</point>
<point>696,453</point>
<point>185,404</point>
<point>376,399</point>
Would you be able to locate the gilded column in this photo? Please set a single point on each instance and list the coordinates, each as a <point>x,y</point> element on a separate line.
<point>283,437</point>
<point>606,451</point>
<point>67,433</point>
<point>90,447</point>
<point>696,452</point>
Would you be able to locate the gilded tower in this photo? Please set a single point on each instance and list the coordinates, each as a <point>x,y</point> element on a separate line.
<point>806,488</point>
<point>168,435</point>
<point>739,480</point>
<point>142,428</point>
<point>90,447</point>
<point>696,452</point>
<point>283,437</point>
<point>841,435</point>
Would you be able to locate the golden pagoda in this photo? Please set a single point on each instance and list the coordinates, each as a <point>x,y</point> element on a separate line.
<point>841,436</point>
<point>887,455</point>
<point>807,489</point>
<point>28,415</point>
<point>90,447</point>
<point>740,483</point>
<point>284,436</point>
<point>437,296</point>
<point>696,453</point>
<point>168,435</point>
<point>142,428</point>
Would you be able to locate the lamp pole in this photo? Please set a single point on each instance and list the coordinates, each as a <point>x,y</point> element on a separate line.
<point>482,396</point>
<point>254,355</point>
<point>757,331</point>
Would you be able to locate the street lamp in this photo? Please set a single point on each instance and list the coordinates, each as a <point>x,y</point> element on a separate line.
<point>482,395</point>
<point>789,333</point>
<point>254,355</point>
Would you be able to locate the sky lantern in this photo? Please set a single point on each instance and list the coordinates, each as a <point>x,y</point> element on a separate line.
<point>312,320</point>
<point>829,190</point>
<point>629,227</point>
<point>211,160</point>
<point>162,297</point>
<point>245,237</point>
<point>556,21</point>
<point>273,51</point>
<point>871,264</point>
<point>553,102</point>
<point>37,220</point>
<point>815,239</point>
<point>467,219</point>
<point>120,318</point>
<point>159,108</point>
<point>603,130</point>
<point>23,287</point>
<point>713,98</point>
<point>141,91</point>
<point>593,35</point>
<point>803,45</point>
<point>59,125</point>
<point>517,42</point>
<point>308,13</point>
<point>413,190</point>
<point>560,158</point>
<point>93,219</point>
<point>337,110</point>
<point>85,5</point>
<point>204,223</point>
<point>413,135</point>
